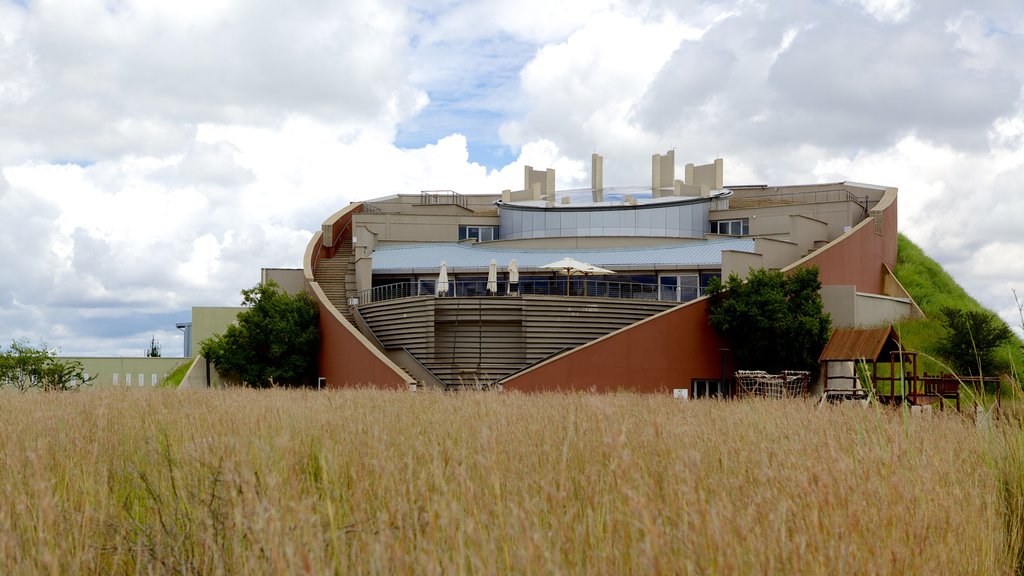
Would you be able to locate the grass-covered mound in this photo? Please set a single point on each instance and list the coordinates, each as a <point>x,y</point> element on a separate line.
<point>933,288</point>
<point>173,380</point>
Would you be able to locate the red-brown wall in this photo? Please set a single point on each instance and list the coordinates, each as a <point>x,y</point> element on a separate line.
<point>348,361</point>
<point>656,355</point>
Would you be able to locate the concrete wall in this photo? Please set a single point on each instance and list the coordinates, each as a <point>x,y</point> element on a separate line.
<point>289,279</point>
<point>851,309</point>
<point>764,221</point>
<point>538,184</point>
<point>739,263</point>
<point>414,228</point>
<point>210,320</point>
<point>768,209</point>
<point>659,354</point>
<point>413,204</point>
<point>805,232</point>
<point>203,374</point>
<point>118,370</point>
<point>706,177</point>
<point>663,174</point>
<point>777,253</point>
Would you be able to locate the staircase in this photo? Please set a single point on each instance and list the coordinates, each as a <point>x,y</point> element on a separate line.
<point>337,277</point>
<point>464,342</point>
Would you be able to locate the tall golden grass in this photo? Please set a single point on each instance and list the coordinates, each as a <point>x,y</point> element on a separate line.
<point>251,482</point>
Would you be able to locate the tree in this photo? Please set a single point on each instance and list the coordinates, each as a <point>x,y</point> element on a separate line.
<point>154,349</point>
<point>24,367</point>
<point>772,321</point>
<point>274,342</point>
<point>971,339</point>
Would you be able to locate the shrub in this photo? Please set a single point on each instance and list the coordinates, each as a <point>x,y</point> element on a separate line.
<point>772,321</point>
<point>971,339</point>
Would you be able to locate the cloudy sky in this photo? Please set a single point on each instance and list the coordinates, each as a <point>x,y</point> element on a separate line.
<point>155,155</point>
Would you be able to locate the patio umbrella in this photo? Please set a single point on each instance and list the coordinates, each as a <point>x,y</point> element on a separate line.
<point>513,276</point>
<point>492,278</point>
<point>567,266</point>
<point>442,280</point>
<point>591,270</point>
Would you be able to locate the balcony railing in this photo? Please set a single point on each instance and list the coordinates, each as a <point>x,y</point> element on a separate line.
<point>578,287</point>
<point>436,197</point>
<point>769,199</point>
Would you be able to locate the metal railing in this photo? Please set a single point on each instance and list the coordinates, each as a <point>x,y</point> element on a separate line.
<point>745,200</point>
<point>578,287</point>
<point>443,197</point>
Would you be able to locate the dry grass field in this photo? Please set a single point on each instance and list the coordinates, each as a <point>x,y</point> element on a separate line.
<point>253,482</point>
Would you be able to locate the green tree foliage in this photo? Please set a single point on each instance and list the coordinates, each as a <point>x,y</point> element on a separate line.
<point>25,367</point>
<point>274,342</point>
<point>971,339</point>
<point>772,321</point>
<point>154,349</point>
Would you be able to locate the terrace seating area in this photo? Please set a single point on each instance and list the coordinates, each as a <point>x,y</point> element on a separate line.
<point>546,286</point>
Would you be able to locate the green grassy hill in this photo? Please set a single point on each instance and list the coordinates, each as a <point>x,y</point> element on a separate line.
<point>932,288</point>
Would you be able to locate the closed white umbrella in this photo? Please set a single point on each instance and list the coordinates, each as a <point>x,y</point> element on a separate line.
<point>513,276</point>
<point>492,278</point>
<point>442,280</point>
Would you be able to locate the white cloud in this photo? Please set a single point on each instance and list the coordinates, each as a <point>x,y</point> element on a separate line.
<point>157,155</point>
<point>98,80</point>
<point>886,10</point>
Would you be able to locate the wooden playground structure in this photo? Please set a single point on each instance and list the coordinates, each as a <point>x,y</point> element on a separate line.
<point>855,358</point>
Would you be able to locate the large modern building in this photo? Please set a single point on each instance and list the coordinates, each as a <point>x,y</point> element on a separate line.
<point>444,289</point>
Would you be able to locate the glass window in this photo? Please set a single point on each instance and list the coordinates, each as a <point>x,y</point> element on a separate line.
<point>478,233</point>
<point>740,227</point>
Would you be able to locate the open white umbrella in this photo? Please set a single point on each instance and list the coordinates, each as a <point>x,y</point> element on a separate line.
<point>442,280</point>
<point>492,278</point>
<point>591,270</point>
<point>513,276</point>
<point>567,266</point>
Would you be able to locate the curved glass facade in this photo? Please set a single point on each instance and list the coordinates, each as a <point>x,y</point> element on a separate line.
<point>675,220</point>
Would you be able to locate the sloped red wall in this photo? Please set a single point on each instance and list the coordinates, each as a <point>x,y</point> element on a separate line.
<point>346,361</point>
<point>657,355</point>
<point>857,258</point>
